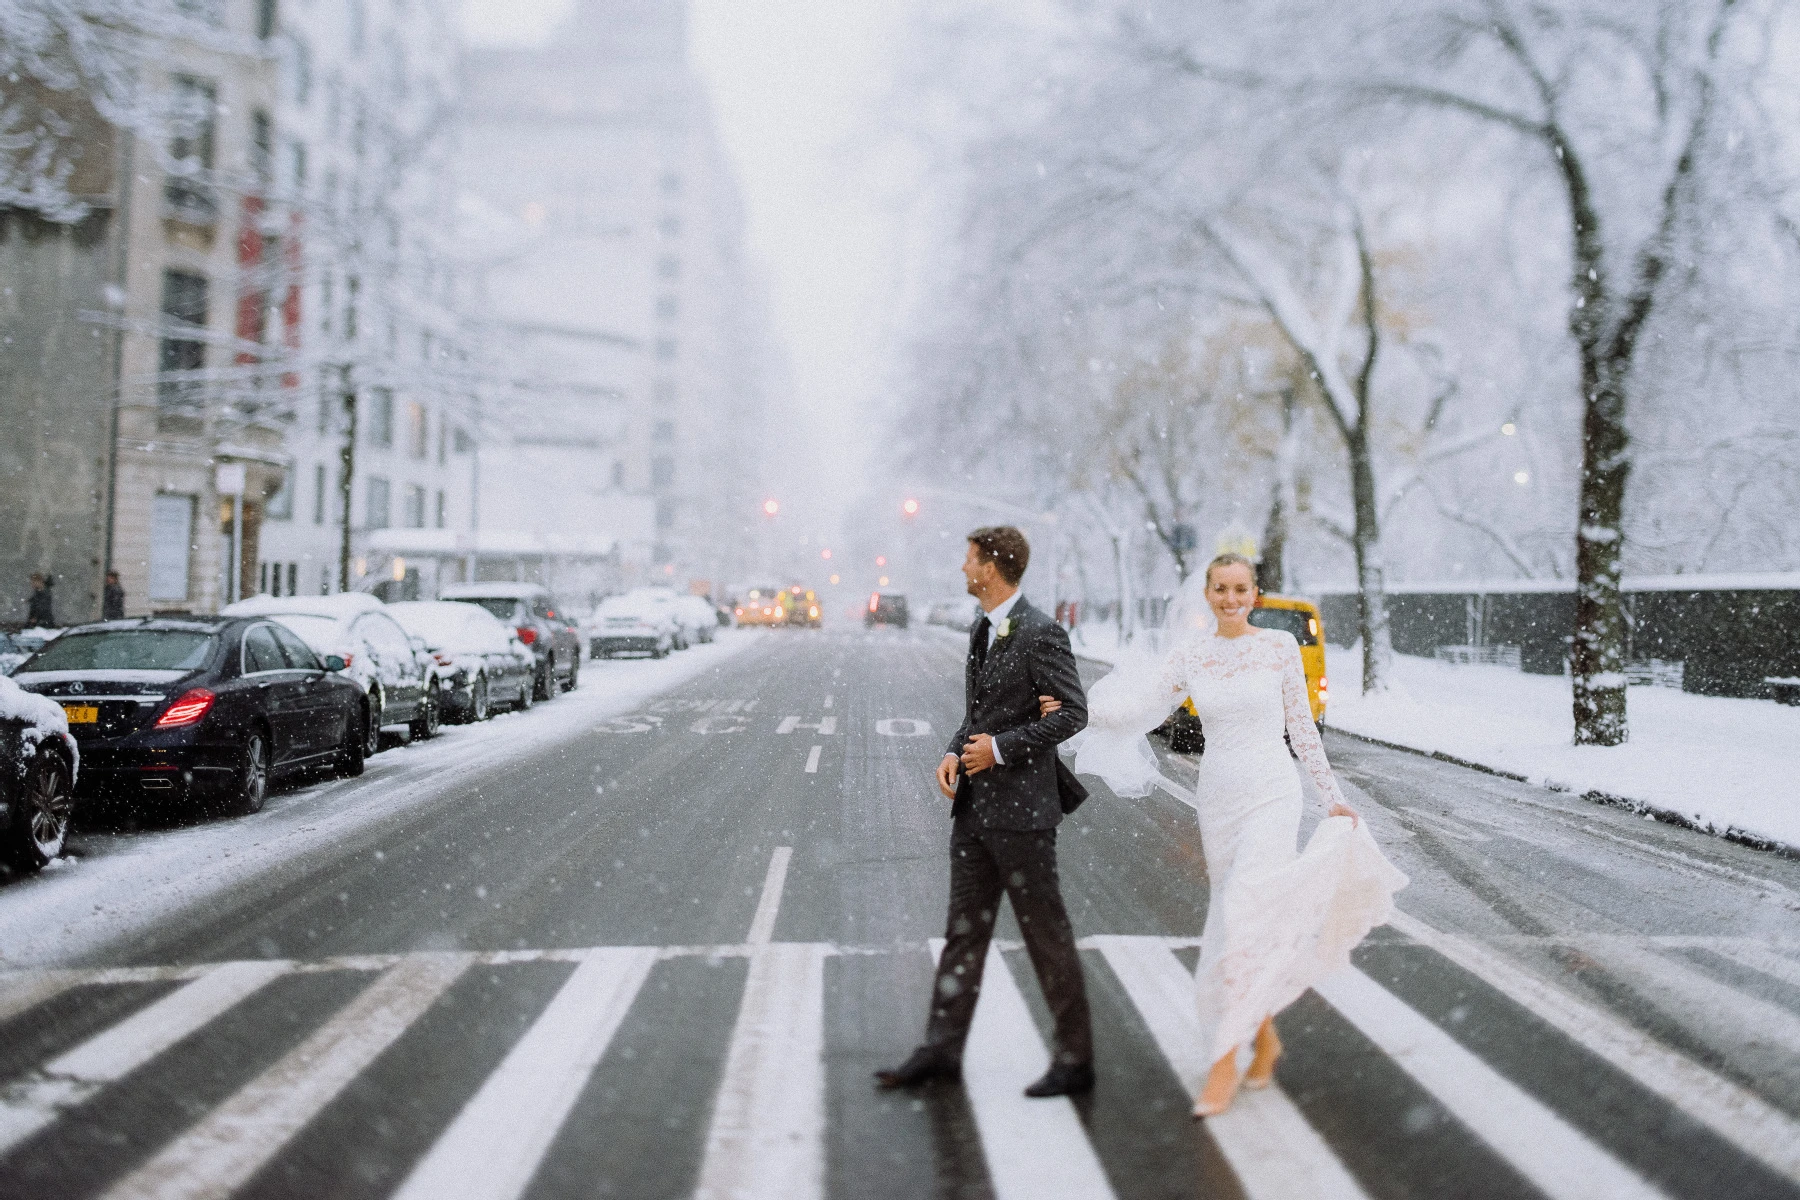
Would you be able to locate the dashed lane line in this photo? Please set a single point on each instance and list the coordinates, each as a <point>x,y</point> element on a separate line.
<point>493,1147</point>
<point>768,905</point>
<point>812,760</point>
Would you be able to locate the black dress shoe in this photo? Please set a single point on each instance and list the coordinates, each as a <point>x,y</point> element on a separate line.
<point>926,1064</point>
<point>1064,1080</point>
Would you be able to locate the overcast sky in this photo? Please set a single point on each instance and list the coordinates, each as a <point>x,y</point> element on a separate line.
<point>795,84</point>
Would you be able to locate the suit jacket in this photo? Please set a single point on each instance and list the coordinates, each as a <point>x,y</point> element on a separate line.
<point>1033,789</point>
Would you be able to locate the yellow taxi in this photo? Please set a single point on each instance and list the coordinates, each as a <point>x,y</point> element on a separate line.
<point>760,606</point>
<point>1300,618</point>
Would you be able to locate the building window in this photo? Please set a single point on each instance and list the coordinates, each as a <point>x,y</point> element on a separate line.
<point>665,515</point>
<point>265,19</point>
<point>181,358</point>
<point>352,286</point>
<point>442,511</point>
<point>668,307</point>
<point>297,168</point>
<point>212,12</point>
<point>671,183</point>
<point>280,506</point>
<point>299,69</point>
<point>443,453</point>
<point>414,507</point>
<point>669,266</point>
<point>358,26</point>
<point>662,471</point>
<point>376,515</point>
<point>618,474</point>
<point>194,119</point>
<point>464,443</point>
<point>663,431</point>
<point>171,541</point>
<point>418,440</point>
<point>669,226</point>
<point>381,416</point>
<point>262,147</point>
<point>665,349</point>
<point>665,391</point>
<point>319,494</point>
<point>293,579</point>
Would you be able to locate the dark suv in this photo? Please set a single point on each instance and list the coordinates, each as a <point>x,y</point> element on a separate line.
<point>533,613</point>
<point>886,608</point>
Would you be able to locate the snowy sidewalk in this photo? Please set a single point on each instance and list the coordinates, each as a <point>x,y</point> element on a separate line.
<point>1722,765</point>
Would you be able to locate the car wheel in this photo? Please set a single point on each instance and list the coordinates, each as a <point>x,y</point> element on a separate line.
<point>425,725</point>
<point>253,775</point>
<point>574,675</point>
<point>40,823</point>
<point>351,756</point>
<point>478,700</point>
<point>660,652</point>
<point>543,684</point>
<point>527,694</point>
<point>377,718</point>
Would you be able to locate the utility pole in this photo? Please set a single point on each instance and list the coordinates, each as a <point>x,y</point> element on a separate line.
<point>346,480</point>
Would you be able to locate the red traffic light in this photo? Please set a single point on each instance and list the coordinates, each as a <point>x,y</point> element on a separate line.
<point>771,506</point>
<point>910,508</point>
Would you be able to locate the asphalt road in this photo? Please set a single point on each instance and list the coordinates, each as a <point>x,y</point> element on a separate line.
<point>658,954</point>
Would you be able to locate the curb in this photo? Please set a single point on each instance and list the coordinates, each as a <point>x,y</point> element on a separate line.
<point>1643,808</point>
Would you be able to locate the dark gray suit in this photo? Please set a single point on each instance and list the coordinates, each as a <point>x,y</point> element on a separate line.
<point>1003,835</point>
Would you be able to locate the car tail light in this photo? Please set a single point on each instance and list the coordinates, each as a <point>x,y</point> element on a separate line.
<point>527,634</point>
<point>188,708</point>
<point>813,611</point>
<point>874,601</point>
<point>348,659</point>
<point>1323,687</point>
<point>443,660</point>
<point>740,612</point>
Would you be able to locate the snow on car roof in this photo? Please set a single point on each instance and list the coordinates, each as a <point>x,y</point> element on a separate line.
<point>343,604</point>
<point>446,621</point>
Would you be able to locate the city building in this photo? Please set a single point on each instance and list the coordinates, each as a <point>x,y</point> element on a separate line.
<point>637,329</point>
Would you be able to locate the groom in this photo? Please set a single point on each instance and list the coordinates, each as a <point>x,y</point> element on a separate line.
<point>1009,790</point>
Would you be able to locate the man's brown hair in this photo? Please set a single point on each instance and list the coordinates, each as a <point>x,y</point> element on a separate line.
<point>1006,548</point>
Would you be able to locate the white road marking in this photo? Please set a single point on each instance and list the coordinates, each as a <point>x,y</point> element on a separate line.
<point>1767,960</point>
<point>1538,1144</point>
<point>826,726</point>
<point>230,1144</point>
<point>74,1076</point>
<point>720,723</point>
<point>493,1147</point>
<point>766,1140</point>
<point>1035,1149</point>
<point>1734,1113</point>
<point>768,907</point>
<point>1274,1151</point>
<point>827,703</point>
<point>812,760</point>
<point>904,727</point>
<point>23,990</point>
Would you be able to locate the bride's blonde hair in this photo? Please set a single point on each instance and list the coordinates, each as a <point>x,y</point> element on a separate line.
<point>1232,559</point>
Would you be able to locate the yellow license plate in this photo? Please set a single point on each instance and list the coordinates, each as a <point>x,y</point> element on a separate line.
<point>82,714</point>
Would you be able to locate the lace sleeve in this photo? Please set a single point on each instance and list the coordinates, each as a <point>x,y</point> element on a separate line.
<point>1134,698</point>
<point>1301,731</point>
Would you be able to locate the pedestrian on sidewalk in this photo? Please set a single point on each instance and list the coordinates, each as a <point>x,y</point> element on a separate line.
<point>40,606</point>
<point>112,600</point>
<point>1009,790</point>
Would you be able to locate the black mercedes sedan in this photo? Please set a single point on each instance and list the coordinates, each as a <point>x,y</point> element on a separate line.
<point>205,710</point>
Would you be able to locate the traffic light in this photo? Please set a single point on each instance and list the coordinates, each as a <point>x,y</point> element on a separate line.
<point>771,506</point>
<point>881,560</point>
<point>910,508</point>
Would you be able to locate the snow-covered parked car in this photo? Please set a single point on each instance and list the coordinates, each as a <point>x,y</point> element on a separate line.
<point>400,677</point>
<point>12,652</point>
<point>699,619</point>
<point>634,624</point>
<point>38,761</point>
<point>483,660</point>
<point>952,614</point>
<point>539,620</point>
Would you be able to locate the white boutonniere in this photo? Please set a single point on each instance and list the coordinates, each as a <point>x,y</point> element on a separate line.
<point>1004,628</point>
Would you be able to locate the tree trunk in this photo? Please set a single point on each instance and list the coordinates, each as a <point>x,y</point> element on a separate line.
<point>1271,572</point>
<point>1371,569</point>
<point>1597,652</point>
<point>346,482</point>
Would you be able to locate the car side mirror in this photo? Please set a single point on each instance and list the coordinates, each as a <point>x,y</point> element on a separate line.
<point>334,662</point>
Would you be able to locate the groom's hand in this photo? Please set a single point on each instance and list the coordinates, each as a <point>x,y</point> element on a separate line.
<point>978,754</point>
<point>946,776</point>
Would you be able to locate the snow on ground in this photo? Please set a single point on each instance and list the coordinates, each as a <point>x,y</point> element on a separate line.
<point>1726,765</point>
<point>121,883</point>
<point>1721,764</point>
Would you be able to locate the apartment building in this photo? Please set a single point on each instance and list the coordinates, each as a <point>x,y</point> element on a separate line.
<point>625,293</point>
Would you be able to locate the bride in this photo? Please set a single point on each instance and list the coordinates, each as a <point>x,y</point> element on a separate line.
<point>1278,920</point>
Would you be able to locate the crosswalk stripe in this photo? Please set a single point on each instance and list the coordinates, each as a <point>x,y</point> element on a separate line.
<point>1035,1149</point>
<point>230,1144</point>
<point>767,1136</point>
<point>1696,992</point>
<point>1536,1142</point>
<point>77,1074</point>
<point>493,1147</point>
<point>1761,958</point>
<point>1275,1153</point>
<point>21,991</point>
<point>1734,1113</point>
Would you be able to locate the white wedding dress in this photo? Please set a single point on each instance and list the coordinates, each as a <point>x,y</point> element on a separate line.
<point>1279,920</point>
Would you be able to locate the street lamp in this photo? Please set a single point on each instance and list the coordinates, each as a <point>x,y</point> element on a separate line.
<point>771,506</point>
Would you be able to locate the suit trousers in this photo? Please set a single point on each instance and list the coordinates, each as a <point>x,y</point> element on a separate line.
<point>1021,864</point>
